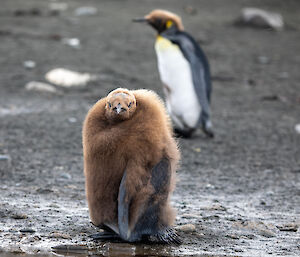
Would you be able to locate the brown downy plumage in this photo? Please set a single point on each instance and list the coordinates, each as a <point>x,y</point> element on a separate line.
<point>130,132</point>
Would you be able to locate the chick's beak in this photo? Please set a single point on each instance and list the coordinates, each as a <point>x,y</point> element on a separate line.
<point>119,108</point>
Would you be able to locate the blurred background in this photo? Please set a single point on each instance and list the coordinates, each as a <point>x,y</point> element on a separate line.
<point>238,193</point>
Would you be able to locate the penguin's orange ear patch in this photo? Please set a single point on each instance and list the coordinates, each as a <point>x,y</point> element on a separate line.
<point>169,23</point>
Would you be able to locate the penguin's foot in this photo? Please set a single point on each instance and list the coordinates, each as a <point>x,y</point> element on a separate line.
<point>209,132</point>
<point>168,236</point>
<point>208,129</point>
<point>183,133</point>
<point>106,235</point>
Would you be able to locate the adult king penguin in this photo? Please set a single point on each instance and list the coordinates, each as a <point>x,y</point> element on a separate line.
<point>184,72</point>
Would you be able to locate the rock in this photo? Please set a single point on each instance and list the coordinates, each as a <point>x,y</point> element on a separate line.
<point>263,59</point>
<point>86,11</point>
<point>44,190</point>
<point>58,7</point>
<point>266,230</point>
<point>283,75</point>
<point>67,78</point>
<point>217,207</point>
<point>4,157</point>
<point>65,176</point>
<point>59,235</point>
<point>186,228</point>
<point>259,18</point>
<point>72,120</point>
<point>40,87</point>
<point>209,186</point>
<point>233,236</point>
<point>27,230</point>
<point>297,128</point>
<point>197,149</point>
<point>191,216</point>
<point>16,249</point>
<point>288,227</point>
<point>73,42</point>
<point>5,164</point>
<point>19,216</point>
<point>29,64</point>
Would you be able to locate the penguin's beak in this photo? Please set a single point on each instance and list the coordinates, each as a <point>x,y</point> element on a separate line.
<point>140,19</point>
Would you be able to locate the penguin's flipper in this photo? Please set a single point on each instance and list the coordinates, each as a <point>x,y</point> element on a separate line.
<point>123,210</point>
<point>148,221</point>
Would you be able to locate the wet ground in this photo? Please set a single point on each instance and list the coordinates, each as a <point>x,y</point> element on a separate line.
<point>240,192</point>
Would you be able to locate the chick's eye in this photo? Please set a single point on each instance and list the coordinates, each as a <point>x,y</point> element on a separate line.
<point>129,104</point>
<point>109,105</point>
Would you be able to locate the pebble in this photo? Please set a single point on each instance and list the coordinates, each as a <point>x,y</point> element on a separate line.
<point>186,228</point>
<point>73,42</point>
<point>68,78</point>
<point>66,176</point>
<point>297,128</point>
<point>59,235</point>
<point>4,157</point>
<point>259,18</point>
<point>283,75</point>
<point>191,216</point>
<point>86,11</point>
<point>266,230</point>
<point>40,87</point>
<point>263,59</point>
<point>288,227</point>
<point>19,216</point>
<point>58,7</point>
<point>29,64</point>
<point>233,236</point>
<point>27,230</point>
<point>72,119</point>
<point>44,190</point>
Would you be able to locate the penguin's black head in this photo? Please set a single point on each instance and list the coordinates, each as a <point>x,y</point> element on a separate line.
<point>161,20</point>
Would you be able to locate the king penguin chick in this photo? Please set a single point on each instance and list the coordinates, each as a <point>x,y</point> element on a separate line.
<point>184,72</point>
<point>130,160</point>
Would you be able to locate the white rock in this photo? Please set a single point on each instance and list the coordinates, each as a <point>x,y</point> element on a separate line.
<point>86,10</point>
<point>29,64</point>
<point>297,128</point>
<point>67,78</point>
<point>40,86</point>
<point>72,119</point>
<point>73,42</point>
<point>186,228</point>
<point>58,6</point>
<point>261,18</point>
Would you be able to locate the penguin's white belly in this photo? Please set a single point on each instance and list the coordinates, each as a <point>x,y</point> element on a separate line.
<point>175,73</point>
